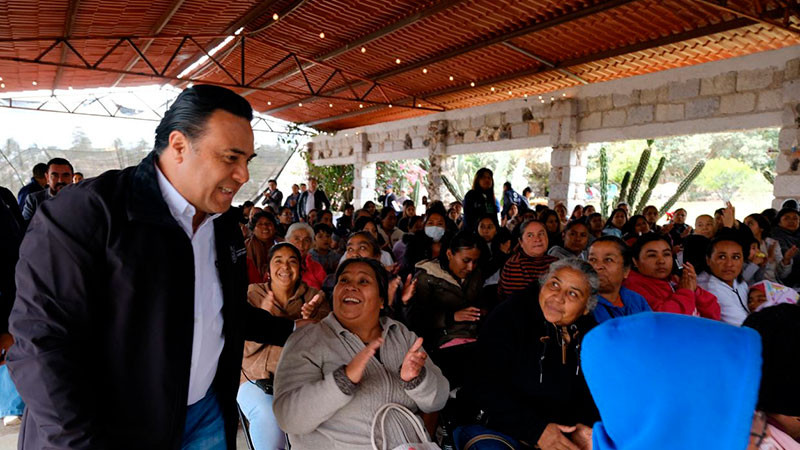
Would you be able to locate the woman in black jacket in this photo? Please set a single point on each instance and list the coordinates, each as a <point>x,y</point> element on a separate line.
<point>446,307</point>
<point>480,200</point>
<point>527,379</point>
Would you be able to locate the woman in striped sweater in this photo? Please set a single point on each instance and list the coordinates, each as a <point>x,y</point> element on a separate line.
<point>529,261</point>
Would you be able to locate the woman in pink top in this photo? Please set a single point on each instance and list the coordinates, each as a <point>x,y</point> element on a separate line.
<point>653,279</point>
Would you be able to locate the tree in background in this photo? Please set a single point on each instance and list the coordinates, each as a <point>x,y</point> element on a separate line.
<point>724,177</point>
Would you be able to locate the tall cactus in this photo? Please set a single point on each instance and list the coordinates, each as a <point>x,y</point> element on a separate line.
<point>650,186</point>
<point>603,182</point>
<point>638,177</point>
<point>417,188</point>
<point>623,189</point>
<point>769,176</point>
<point>682,187</point>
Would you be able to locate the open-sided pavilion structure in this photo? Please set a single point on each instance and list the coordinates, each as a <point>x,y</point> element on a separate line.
<point>433,78</point>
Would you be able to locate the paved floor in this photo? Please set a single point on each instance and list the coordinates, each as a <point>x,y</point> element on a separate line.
<point>8,438</point>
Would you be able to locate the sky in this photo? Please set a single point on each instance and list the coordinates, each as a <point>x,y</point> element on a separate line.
<point>56,129</point>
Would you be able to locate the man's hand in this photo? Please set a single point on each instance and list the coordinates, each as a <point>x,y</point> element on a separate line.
<point>355,369</point>
<point>553,438</point>
<point>582,437</point>
<point>413,362</point>
<point>6,341</point>
<point>309,308</point>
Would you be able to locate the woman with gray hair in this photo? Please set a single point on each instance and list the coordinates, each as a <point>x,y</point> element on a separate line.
<point>528,380</point>
<point>301,235</point>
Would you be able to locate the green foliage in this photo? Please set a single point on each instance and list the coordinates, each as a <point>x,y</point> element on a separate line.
<point>623,189</point>
<point>682,187</point>
<point>336,181</point>
<point>769,176</point>
<point>650,186</point>
<point>638,177</point>
<point>603,182</point>
<point>725,177</point>
<point>387,173</point>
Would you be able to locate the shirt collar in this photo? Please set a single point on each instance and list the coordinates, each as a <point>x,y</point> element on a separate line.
<point>179,207</point>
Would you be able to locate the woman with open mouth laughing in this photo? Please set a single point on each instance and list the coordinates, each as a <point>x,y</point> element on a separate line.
<point>334,375</point>
<point>283,295</point>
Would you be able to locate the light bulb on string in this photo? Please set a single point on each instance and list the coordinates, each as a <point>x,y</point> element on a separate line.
<point>451,78</point>
<point>275,16</point>
<point>424,70</point>
<point>397,60</point>
<point>363,49</point>
<point>322,35</point>
<point>472,84</point>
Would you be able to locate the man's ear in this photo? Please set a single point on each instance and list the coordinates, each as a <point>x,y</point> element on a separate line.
<point>625,272</point>
<point>179,144</point>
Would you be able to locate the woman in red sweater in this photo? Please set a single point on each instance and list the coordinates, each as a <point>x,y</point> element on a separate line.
<point>665,292</point>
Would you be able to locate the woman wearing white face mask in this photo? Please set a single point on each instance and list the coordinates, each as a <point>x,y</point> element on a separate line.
<point>426,244</point>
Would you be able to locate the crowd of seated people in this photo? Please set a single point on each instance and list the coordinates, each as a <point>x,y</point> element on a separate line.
<point>476,320</point>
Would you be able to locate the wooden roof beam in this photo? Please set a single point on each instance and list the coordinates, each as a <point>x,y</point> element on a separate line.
<point>480,44</point>
<point>364,40</point>
<point>156,29</point>
<point>69,24</point>
<point>667,40</point>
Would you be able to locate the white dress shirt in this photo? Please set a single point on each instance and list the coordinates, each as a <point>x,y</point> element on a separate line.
<point>207,338</point>
<point>310,201</point>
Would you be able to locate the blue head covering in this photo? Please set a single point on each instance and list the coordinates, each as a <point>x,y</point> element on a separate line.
<point>670,381</point>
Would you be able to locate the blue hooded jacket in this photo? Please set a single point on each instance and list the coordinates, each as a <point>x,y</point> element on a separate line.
<point>670,381</point>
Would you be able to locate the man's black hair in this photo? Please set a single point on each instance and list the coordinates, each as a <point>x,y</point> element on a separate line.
<point>526,190</point>
<point>59,162</point>
<point>191,110</point>
<point>273,181</point>
<point>78,173</point>
<point>248,204</point>
<point>323,227</point>
<point>40,170</point>
<point>507,184</point>
<point>407,203</point>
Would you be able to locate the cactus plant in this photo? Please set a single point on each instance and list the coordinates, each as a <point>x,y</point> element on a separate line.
<point>623,189</point>
<point>769,176</point>
<point>682,187</point>
<point>638,177</point>
<point>454,191</point>
<point>417,188</point>
<point>650,186</point>
<point>603,183</point>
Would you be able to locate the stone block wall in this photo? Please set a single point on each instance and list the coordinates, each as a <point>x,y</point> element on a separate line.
<point>728,95</point>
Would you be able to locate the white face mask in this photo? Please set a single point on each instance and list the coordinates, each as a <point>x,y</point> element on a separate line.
<point>434,233</point>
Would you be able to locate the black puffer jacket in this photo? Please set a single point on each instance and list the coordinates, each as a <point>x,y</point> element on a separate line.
<point>439,296</point>
<point>523,381</point>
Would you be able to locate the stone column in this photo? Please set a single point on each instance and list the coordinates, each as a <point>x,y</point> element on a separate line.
<point>787,167</point>
<point>436,141</point>
<point>567,160</point>
<point>364,173</point>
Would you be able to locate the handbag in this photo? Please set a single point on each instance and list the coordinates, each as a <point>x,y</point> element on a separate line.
<point>415,422</point>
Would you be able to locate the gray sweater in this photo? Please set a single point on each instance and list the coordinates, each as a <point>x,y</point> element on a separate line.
<point>312,406</point>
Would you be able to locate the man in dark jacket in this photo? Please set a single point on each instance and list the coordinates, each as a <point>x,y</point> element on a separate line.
<point>131,308</point>
<point>511,197</point>
<point>37,183</point>
<point>311,199</point>
<point>273,196</point>
<point>59,176</point>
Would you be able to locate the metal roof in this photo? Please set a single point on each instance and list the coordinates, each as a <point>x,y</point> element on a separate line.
<point>379,60</point>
